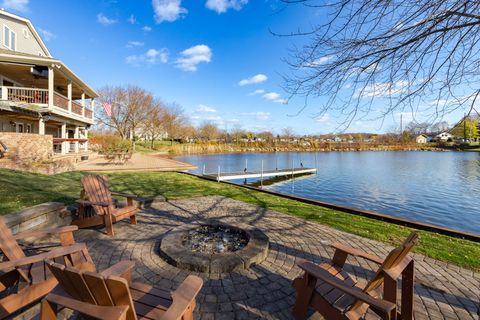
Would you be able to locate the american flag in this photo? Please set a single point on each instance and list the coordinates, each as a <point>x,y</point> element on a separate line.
<point>108,108</point>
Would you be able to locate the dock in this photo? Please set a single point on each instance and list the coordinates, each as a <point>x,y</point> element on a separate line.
<point>221,176</point>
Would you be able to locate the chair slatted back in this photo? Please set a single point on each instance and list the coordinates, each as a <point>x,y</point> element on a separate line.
<point>8,244</point>
<point>93,288</point>
<point>97,190</point>
<point>394,258</point>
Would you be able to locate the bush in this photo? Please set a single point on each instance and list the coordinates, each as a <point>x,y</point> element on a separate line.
<point>107,143</point>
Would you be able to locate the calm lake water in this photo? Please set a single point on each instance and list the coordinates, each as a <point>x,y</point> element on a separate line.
<point>441,188</point>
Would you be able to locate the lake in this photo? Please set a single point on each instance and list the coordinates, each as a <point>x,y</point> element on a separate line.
<point>440,188</point>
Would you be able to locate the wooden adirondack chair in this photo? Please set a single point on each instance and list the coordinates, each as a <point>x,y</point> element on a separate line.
<point>336,295</point>
<point>96,189</point>
<point>112,295</point>
<point>23,279</point>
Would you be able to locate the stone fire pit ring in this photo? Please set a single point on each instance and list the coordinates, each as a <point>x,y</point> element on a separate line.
<point>173,250</point>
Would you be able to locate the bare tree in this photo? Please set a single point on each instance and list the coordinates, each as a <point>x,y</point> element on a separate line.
<point>153,126</point>
<point>419,55</point>
<point>209,131</point>
<point>174,121</point>
<point>119,118</point>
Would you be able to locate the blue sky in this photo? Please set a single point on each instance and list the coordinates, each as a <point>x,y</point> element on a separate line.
<point>216,58</point>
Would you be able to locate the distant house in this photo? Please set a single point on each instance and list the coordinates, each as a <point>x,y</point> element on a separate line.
<point>337,139</point>
<point>421,139</point>
<point>444,136</point>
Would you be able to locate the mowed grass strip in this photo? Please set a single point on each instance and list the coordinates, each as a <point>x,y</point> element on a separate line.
<point>20,190</point>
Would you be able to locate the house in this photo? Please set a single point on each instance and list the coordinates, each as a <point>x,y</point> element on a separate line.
<point>444,136</point>
<point>43,103</point>
<point>421,139</point>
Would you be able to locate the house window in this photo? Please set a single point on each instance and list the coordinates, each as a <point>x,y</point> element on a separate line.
<point>28,128</point>
<point>9,38</point>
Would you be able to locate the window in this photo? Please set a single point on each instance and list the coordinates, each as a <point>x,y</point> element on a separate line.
<point>9,38</point>
<point>28,128</point>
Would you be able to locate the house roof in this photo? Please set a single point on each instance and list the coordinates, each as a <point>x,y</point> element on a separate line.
<point>15,57</point>
<point>30,26</point>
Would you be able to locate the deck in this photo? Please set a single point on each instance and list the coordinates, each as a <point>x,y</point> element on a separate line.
<point>222,176</point>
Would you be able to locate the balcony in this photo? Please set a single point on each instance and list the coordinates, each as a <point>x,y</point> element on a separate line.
<point>40,97</point>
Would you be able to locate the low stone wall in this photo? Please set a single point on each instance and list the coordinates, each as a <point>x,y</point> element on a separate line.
<point>45,215</point>
<point>27,146</point>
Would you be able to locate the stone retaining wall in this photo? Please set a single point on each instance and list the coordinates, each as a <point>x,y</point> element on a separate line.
<point>45,215</point>
<point>27,146</point>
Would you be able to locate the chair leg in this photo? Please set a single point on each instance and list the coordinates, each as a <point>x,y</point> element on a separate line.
<point>390,293</point>
<point>408,277</point>
<point>305,287</point>
<point>48,310</point>
<point>109,224</point>
<point>133,219</point>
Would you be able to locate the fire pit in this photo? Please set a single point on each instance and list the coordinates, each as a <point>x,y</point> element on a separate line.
<point>214,247</point>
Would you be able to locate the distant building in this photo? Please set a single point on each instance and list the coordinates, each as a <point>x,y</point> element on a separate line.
<point>444,136</point>
<point>421,139</point>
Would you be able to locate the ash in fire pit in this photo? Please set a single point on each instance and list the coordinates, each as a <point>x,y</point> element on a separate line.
<point>214,247</point>
<point>215,239</point>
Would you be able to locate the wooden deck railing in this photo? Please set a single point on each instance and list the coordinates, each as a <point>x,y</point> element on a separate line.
<point>40,97</point>
<point>29,95</point>
<point>60,101</point>
<point>77,108</point>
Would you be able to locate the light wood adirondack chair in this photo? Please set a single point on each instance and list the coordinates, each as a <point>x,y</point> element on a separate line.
<point>23,279</point>
<point>336,295</point>
<point>112,295</point>
<point>96,189</point>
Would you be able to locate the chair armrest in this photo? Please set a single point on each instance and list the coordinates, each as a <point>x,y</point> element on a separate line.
<point>54,253</point>
<point>183,298</point>
<point>41,233</point>
<point>319,273</point>
<point>103,204</point>
<point>121,269</point>
<point>126,195</point>
<point>357,253</point>
<point>97,312</point>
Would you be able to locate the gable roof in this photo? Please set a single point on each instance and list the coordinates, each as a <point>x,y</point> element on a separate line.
<point>30,26</point>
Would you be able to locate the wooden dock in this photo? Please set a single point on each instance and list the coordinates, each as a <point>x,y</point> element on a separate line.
<point>221,176</point>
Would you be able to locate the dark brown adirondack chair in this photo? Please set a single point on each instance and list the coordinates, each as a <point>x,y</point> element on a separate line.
<point>337,295</point>
<point>112,295</point>
<point>96,189</point>
<point>23,279</point>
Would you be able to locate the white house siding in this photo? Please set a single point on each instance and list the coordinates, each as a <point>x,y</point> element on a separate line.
<point>25,43</point>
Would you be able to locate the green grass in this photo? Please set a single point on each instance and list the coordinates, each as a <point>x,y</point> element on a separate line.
<point>19,190</point>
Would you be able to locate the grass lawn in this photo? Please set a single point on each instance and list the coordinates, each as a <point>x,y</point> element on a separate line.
<point>19,190</point>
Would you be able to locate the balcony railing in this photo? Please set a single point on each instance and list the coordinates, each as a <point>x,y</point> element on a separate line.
<point>76,108</point>
<point>29,95</point>
<point>40,97</point>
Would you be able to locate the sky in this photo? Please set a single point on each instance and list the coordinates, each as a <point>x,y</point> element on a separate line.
<point>218,59</point>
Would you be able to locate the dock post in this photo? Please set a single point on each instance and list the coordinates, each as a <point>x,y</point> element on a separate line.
<point>316,164</point>
<point>218,175</point>
<point>261,176</point>
<point>204,169</point>
<point>246,165</point>
<point>293,169</point>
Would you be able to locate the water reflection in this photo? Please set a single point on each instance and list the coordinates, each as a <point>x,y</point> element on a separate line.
<point>441,188</point>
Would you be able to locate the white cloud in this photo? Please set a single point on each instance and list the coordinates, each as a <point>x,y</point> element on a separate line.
<point>132,44</point>
<point>18,5</point>
<point>256,92</point>
<point>191,57</point>
<point>104,20</point>
<point>252,80</point>
<point>203,108</point>
<point>317,62</point>
<point>151,56</point>
<point>147,29</point>
<point>221,6</point>
<point>325,118</point>
<point>132,19</point>
<point>260,115</point>
<point>46,35</point>
<point>271,96</point>
<point>168,10</point>
<point>383,89</point>
<point>214,118</point>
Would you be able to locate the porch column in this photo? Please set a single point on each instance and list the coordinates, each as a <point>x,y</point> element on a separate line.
<point>92,106</point>
<point>85,137</point>
<point>69,96</point>
<point>50,87</point>
<point>4,93</point>
<point>41,126</point>
<point>83,104</point>
<point>76,135</point>
<point>63,135</point>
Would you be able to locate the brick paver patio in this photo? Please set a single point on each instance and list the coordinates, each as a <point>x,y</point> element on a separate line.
<point>442,291</point>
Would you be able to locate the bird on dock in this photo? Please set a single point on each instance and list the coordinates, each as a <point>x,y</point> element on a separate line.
<point>245,170</point>
<point>301,165</point>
